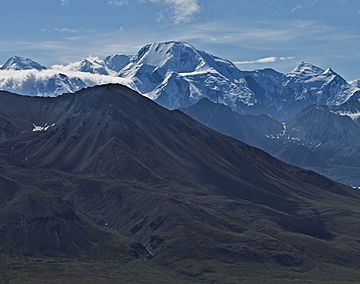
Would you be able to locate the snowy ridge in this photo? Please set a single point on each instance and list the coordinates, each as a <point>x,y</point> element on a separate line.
<point>305,71</point>
<point>355,85</point>
<point>52,82</point>
<point>21,63</point>
<point>320,86</point>
<point>350,108</point>
<point>92,64</point>
<point>116,62</point>
<point>353,115</point>
<point>177,75</point>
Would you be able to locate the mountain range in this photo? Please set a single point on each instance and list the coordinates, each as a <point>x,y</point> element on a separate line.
<point>27,77</point>
<point>319,138</point>
<point>106,179</point>
<point>177,75</point>
<point>297,117</point>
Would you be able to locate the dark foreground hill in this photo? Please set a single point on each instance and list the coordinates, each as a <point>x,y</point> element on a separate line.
<point>105,186</point>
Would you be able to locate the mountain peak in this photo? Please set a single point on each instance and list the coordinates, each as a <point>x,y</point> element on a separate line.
<point>176,74</point>
<point>21,63</point>
<point>308,69</point>
<point>330,72</point>
<point>172,44</point>
<point>91,64</point>
<point>117,62</point>
<point>172,55</point>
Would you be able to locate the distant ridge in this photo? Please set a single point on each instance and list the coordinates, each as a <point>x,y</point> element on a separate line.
<point>177,75</point>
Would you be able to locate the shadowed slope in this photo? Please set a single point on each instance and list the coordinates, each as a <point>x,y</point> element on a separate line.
<point>107,163</point>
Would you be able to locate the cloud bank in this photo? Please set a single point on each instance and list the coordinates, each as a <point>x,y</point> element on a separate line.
<point>52,82</point>
<point>118,2</point>
<point>270,59</point>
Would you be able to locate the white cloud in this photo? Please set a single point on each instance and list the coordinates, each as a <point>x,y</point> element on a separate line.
<point>270,59</point>
<point>34,82</point>
<point>286,58</point>
<point>64,2</point>
<point>118,2</point>
<point>296,8</point>
<point>66,30</point>
<point>183,10</point>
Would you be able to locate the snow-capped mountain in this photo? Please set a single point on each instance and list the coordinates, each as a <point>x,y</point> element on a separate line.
<point>116,62</point>
<point>177,75</point>
<point>111,65</point>
<point>283,95</point>
<point>350,108</point>
<point>25,76</point>
<point>322,87</point>
<point>21,63</point>
<point>33,82</point>
<point>92,64</point>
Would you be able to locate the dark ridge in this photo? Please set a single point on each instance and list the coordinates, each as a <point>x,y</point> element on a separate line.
<point>116,177</point>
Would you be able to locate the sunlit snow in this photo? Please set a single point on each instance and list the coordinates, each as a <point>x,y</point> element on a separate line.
<point>37,128</point>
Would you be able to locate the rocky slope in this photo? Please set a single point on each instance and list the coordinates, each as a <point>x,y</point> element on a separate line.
<point>320,138</point>
<point>108,173</point>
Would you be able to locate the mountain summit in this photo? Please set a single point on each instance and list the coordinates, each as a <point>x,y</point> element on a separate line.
<point>314,85</point>
<point>21,63</point>
<point>176,74</point>
<point>305,69</point>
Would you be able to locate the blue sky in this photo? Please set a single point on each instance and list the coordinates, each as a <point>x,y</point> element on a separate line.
<point>253,33</point>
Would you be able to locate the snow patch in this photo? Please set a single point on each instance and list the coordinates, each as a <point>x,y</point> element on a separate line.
<point>354,116</point>
<point>37,128</point>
